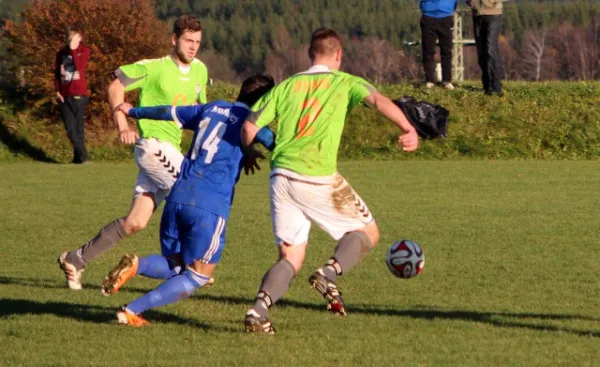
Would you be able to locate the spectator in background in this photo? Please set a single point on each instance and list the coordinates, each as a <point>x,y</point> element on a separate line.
<point>437,22</point>
<point>71,89</point>
<point>487,22</point>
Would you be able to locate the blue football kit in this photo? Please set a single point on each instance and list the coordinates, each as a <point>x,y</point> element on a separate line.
<point>196,211</point>
<point>195,216</point>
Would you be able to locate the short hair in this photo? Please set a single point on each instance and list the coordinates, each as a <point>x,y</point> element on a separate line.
<point>255,87</point>
<point>186,23</point>
<point>324,42</point>
<point>75,28</point>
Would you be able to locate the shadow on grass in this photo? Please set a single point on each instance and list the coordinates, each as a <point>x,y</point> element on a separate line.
<point>101,314</point>
<point>92,313</point>
<point>21,146</point>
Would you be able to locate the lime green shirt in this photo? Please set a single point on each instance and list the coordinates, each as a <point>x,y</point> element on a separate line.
<point>311,109</point>
<point>162,82</point>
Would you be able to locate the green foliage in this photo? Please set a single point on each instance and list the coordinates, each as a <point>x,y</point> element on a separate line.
<point>245,30</point>
<point>510,277</point>
<point>557,120</point>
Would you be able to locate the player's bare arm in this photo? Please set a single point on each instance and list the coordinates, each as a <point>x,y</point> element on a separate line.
<point>116,97</point>
<point>249,131</point>
<point>409,140</point>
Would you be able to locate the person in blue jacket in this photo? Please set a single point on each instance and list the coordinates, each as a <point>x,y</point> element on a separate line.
<point>437,22</point>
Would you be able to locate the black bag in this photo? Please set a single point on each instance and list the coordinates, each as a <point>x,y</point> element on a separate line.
<point>430,120</point>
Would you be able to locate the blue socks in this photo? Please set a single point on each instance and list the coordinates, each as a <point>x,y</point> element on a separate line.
<point>170,291</point>
<point>157,267</point>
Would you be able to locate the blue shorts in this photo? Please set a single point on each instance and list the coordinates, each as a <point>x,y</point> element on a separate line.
<point>197,234</point>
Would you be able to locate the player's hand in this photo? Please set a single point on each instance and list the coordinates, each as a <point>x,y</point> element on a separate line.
<point>60,97</point>
<point>409,141</point>
<point>127,136</point>
<point>251,161</point>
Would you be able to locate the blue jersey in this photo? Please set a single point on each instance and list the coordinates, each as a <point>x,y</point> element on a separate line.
<point>213,164</point>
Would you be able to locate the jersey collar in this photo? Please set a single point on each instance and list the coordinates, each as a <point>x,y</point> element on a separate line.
<point>317,69</point>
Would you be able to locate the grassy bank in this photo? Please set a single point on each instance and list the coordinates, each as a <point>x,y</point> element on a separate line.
<point>558,120</point>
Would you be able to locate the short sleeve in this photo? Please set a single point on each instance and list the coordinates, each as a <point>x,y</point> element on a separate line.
<point>359,90</point>
<point>264,110</point>
<point>134,76</point>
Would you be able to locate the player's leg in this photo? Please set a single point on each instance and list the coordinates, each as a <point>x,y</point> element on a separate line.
<point>340,212</point>
<point>291,228</point>
<point>74,262</point>
<point>201,251</point>
<point>157,175</point>
<point>163,266</point>
<point>159,164</point>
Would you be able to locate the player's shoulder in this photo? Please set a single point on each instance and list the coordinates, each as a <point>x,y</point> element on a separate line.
<point>149,62</point>
<point>347,76</point>
<point>198,65</point>
<point>354,81</point>
<point>197,62</point>
<point>221,105</point>
<point>226,108</point>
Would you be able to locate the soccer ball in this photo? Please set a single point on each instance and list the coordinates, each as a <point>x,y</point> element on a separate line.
<point>405,259</point>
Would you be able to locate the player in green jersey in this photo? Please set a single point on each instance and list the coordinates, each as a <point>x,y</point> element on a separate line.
<point>176,79</point>
<point>311,108</point>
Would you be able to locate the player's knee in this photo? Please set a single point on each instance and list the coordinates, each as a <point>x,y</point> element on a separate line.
<point>196,280</point>
<point>373,232</point>
<point>133,224</point>
<point>293,254</point>
<point>296,262</point>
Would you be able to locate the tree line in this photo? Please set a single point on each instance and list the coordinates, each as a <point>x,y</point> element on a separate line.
<point>541,40</point>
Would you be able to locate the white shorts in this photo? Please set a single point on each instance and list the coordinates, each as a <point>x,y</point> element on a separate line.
<point>329,201</point>
<point>159,164</point>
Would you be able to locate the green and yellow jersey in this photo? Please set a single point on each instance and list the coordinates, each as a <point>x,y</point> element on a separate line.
<point>311,109</point>
<point>163,82</point>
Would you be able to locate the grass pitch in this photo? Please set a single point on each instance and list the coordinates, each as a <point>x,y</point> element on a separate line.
<point>511,273</point>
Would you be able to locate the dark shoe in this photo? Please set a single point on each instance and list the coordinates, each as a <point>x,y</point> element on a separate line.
<point>258,324</point>
<point>328,289</point>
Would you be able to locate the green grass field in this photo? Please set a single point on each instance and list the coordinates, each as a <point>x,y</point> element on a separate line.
<point>511,275</point>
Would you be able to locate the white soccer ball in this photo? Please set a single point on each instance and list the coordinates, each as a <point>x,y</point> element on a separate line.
<point>405,259</point>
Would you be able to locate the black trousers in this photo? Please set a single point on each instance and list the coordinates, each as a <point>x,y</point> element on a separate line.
<point>73,115</point>
<point>487,30</point>
<point>433,29</point>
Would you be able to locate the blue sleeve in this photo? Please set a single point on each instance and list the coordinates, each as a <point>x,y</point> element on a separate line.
<point>184,116</point>
<point>187,117</point>
<point>152,113</point>
<point>266,137</point>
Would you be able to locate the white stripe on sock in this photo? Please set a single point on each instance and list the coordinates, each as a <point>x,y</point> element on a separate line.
<point>199,278</point>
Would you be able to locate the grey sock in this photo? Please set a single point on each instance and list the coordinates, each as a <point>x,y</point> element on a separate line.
<point>106,239</point>
<point>350,250</point>
<point>274,284</point>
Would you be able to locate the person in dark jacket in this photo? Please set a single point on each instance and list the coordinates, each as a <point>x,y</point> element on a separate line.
<point>437,23</point>
<point>71,89</point>
<point>487,23</point>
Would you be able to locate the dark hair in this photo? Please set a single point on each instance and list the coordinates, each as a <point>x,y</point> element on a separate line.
<point>324,41</point>
<point>186,23</point>
<point>255,87</point>
<point>75,28</point>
